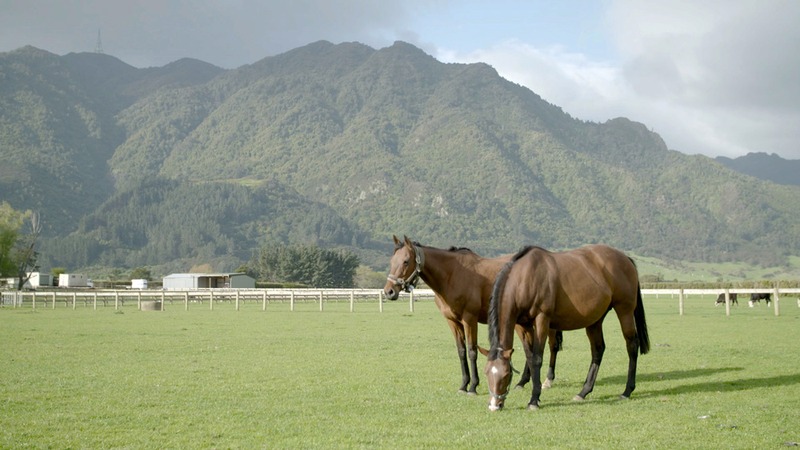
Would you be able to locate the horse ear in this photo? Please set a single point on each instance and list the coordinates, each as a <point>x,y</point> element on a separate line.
<point>507,353</point>
<point>408,241</point>
<point>397,242</point>
<point>483,351</point>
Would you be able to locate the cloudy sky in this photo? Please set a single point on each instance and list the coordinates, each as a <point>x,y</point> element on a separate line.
<point>716,77</point>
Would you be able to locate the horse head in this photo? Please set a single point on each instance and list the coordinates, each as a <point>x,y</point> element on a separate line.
<point>404,268</point>
<point>498,373</point>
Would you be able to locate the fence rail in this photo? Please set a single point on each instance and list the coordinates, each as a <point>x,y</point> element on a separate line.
<point>163,299</point>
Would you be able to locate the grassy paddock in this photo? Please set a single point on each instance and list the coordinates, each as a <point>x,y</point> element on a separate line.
<point>279,379</point>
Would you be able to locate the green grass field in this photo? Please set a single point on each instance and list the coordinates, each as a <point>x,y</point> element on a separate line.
<point>334,379</point>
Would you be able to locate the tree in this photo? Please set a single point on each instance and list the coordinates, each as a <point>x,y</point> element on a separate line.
<point>18,253</point>
<point>141,273</point>
<point>10,223</point>
<point>25,252</point>
<point>309,265</point>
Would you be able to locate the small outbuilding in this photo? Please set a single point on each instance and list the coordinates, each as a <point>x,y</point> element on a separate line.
<point>73,280</point>
<point>209,281</point>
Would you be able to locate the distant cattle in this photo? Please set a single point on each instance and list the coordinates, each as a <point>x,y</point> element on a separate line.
<point>755,298</point>
<point>721,299</point>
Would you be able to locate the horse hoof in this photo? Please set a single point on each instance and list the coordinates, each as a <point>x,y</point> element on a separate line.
<point>462,391</point>
<point>532,407</point>
<point>472,393</point>
<point>519,386</point>
<point>547,384</point>
<point>577,398</point>
<point>624,397</point>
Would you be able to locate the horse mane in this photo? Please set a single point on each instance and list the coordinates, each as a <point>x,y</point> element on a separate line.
<point>494,302</point>
<point>460,249</point>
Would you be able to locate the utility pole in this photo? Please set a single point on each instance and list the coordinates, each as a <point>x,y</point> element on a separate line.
<point>98,47</point>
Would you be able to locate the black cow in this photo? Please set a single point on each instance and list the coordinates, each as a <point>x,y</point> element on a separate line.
<point>721,299</point>
<point>755,298</point>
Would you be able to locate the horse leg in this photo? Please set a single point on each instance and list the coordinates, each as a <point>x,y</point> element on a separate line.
<point>526,371</point>
<point>535,360</point>
<point>472,352</point>
<point>598,346</point>
<point>554,340</point>
<point>632,345</point>
<point>458,334</point>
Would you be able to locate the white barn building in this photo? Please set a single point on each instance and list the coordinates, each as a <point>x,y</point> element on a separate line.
<point>177,281</point>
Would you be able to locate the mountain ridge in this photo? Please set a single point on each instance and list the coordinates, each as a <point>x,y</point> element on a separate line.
<point>379,142</point>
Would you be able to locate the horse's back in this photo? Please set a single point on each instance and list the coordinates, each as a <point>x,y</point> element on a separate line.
<point>577,287</point>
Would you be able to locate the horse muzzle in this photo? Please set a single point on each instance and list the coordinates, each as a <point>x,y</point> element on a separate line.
<point>496,402</point>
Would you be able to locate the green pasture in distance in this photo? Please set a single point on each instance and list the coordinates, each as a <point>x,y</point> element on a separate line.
<point>88,378</point>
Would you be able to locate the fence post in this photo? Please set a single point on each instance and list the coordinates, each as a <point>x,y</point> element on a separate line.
<point>34,299</point>
<point>94,300</point>
<point>352,300</point>
<point>74,299</point>
<point>777,302</point>
<point>320,300</point>
<point>54,300</point>
<point>291,300</point>
<point>680,301</point>
<point>380,301</point>
<point>163,301</point>
<point>211,300</point>
<point>116,300</point>
<point>727,302</point>
<point>185,300</point>
<point>411,301</point>
<point>264,300</point>
<point>139,300</point>
<point>237,299</point>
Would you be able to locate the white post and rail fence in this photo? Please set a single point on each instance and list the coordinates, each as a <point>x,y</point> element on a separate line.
<point>160,300</point>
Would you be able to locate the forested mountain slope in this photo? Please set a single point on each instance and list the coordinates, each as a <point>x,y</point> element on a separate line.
<point>766,167</point>
<point>344,145</point>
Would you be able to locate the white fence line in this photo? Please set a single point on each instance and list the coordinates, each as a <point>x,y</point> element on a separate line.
<point>161,299</point>
<point>776,294</point>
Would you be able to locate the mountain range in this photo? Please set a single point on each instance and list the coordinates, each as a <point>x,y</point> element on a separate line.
<point>343,145</point>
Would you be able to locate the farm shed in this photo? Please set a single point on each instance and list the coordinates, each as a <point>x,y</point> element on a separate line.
<point>209,281</point>
<point>72,280</point>
<point>38,279</point>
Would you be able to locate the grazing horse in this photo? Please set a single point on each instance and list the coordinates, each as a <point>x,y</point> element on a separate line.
<point>755,298</point>
<point>462,282</point>
<point>541,290</point>
<point>721,299</point>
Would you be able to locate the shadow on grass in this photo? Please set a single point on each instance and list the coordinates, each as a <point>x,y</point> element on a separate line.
<point>741,384</point>
<point>671,375</point>
<point>647,384</point>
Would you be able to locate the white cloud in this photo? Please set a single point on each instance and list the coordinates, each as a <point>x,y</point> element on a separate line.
<point>717,78</point>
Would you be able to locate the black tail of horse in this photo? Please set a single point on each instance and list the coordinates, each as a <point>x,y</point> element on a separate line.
<point>641,323</point>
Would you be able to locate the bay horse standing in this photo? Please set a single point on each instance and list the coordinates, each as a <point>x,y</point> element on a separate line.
<point>462,283</point>
<point>540,290</point>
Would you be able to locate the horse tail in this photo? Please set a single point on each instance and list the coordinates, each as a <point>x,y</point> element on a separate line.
<point>641,323</point>
<point>638,315</point>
